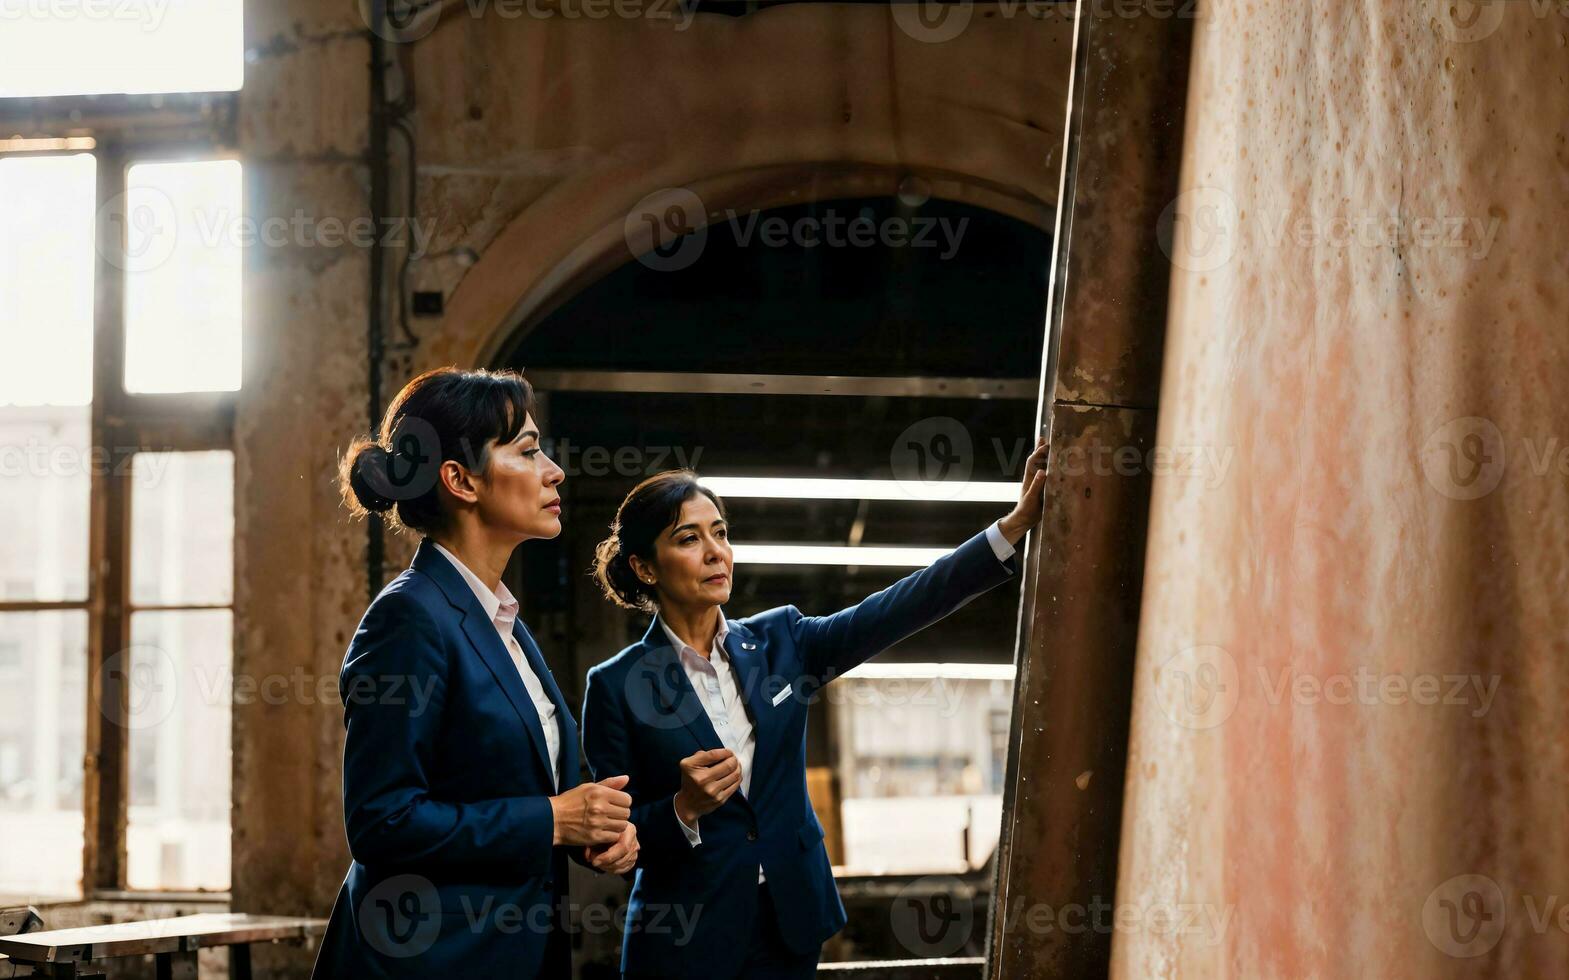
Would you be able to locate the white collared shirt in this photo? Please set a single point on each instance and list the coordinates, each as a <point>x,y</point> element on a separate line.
<point>719,690</point>
<point>502,609</point>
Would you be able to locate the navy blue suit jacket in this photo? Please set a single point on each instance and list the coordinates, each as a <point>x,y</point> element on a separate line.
<point>692,908</point>
<point>446,779</point>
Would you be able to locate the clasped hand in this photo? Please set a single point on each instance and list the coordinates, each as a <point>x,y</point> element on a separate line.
<point>596,816</point>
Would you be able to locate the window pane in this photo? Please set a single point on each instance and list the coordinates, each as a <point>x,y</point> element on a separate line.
<point>82,47</point>
<point>182,528</point>
<point>181,686</point>
<point>182,276</point>
<point>919,766</point>
<point>43,708</point>
<point>46,279</point>
<point>46,330</point>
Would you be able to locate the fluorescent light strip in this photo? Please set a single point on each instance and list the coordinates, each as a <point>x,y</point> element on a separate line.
<point>835,554</point>
<point>966,491</point>
<point>925,671</point>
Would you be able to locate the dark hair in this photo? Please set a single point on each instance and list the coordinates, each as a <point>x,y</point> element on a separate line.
<point>652,506</point>
<point>440,415</point>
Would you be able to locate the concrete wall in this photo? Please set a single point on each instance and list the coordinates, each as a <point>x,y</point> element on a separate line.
<point>537,136</point>
<point>1349,739</point>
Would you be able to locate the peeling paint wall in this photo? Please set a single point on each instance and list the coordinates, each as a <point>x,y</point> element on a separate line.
<point>1349,738</point>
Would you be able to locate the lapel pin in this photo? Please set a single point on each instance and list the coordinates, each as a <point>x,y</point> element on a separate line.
<point>748,646</point>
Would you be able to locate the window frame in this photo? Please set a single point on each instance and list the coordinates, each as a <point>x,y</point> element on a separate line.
<point>127,130</point>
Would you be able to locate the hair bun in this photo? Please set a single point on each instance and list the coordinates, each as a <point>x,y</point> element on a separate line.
<point>368,478</point>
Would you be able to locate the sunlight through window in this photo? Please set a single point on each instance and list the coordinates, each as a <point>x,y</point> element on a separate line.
<point>85,47</point>
<point>182,277</point>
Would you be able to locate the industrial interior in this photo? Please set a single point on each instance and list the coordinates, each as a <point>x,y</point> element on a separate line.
<point>1276,685</point>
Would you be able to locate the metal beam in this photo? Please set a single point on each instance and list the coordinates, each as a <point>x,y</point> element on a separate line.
<point>671,382</point>
<point>1099,389</point>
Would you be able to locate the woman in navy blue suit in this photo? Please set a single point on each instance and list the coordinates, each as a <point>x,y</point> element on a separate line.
<point>460,770</point>
<point>707,716</point>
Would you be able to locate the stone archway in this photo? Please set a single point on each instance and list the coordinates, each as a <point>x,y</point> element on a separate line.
<point>861,107</point>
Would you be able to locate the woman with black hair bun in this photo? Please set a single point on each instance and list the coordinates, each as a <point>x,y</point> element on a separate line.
<point>707,716</point>
<point>460,767</point>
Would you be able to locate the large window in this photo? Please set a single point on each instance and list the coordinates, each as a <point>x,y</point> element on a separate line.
<point>120,322</point>
<point>84,47</point>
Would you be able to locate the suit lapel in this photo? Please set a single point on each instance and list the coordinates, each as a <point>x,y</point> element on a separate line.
<point>482,635</point>
<point>674,700</point>
<point>748,662</point>
<point>566,726</point>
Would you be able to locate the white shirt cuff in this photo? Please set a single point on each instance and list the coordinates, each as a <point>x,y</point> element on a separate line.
<point>692,836</point>
<point>1000,546</point>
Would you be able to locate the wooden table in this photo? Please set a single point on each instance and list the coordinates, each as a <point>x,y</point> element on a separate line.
<point>172,942</point>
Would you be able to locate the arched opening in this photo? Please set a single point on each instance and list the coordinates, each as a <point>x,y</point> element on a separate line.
<point>905,351</point>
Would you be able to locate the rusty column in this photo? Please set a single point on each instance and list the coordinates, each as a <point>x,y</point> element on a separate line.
<point>1057,861</point>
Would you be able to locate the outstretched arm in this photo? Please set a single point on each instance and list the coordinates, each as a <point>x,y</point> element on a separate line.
<point>834,644</point>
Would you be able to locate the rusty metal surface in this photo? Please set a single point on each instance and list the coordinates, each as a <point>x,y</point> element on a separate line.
<point>1062,812</point>
<point>1063,801</point>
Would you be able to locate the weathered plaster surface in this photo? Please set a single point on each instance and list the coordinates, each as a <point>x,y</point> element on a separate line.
<point>1345,532</point>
